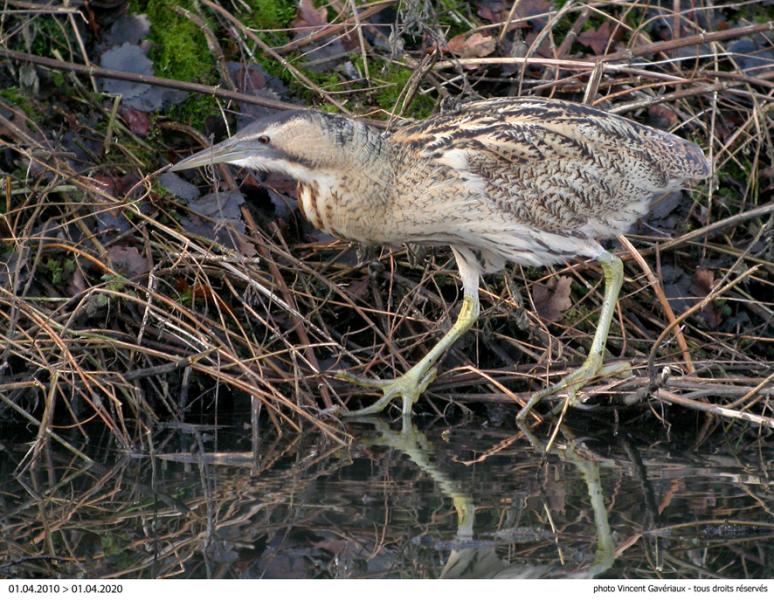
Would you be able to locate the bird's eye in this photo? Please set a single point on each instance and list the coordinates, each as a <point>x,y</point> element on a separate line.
<point>264,139</point>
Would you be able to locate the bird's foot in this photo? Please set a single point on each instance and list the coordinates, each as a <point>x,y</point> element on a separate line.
<point>572,383</point>
<point>408,386</point>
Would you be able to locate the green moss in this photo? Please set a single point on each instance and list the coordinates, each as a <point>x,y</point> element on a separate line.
<point>761,12</point>
<point>329,81</point>
<point>194,110</point>
<point>180,52</point>
<point>58,270</point>
<point>179,48</point>
<point>58,79</point>
<point>393,80</point>
<point>268,14</point>
<point>186,298</point>
<point>113,283</point>
<point>634,19</point>
<point>578,313</point>
<point>449,12</point>
<point>736,171</point>
<point>50,35</point>
<point>595,21</point>
<point>15,96</point>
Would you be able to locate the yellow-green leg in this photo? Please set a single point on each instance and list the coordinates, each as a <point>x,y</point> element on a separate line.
<point>612,267</point>
<point>414,382</point>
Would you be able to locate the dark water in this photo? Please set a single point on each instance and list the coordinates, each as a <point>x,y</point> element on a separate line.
<point>402,500</point>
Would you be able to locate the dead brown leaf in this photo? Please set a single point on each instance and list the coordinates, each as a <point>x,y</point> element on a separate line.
<point>128,261</point>
<point>309,16</point>
<point>77,283</point>
<point>489,13</point>
<point>358,289</point>
<point>701,285</point>
<point>544,49</point>
<point>552,300</point>
<point>536,11</point>
<point>703,281</point>
<point>599,39</point>
<point>475,46</point>
<point>137,120</point>
<point>529,13</point>
<point>662,116</point>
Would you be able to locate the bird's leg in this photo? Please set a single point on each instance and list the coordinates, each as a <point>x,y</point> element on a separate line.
<point>414,382</point>
<point>612,267</point>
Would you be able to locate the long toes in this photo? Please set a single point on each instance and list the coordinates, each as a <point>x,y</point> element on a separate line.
<point>373,409</point>
<point>366,382</point>
<point>391,388</point>
<point>409,387</point>
<point>621,369</point>
<point>571,398</point>
<point>571,384</point>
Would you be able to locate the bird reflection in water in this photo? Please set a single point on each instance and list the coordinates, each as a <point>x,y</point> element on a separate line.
<point>478,558</point>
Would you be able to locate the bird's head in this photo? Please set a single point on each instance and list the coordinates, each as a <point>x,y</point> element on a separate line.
<point>300,144</point>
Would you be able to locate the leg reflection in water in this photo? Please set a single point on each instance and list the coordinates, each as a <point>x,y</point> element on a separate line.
<point>472,558</point>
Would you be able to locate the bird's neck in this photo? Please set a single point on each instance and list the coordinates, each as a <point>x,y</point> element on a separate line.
<point>347,196</point>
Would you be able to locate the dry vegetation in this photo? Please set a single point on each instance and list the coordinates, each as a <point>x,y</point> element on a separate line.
<point>125,301</point>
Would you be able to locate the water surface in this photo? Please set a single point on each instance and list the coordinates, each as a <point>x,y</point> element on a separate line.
<point>402,500</point>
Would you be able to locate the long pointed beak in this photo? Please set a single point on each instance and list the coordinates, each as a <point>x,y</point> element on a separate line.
<point>235,150</point>
<point>228,151</point>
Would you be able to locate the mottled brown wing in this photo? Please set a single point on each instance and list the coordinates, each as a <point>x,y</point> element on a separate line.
<point>558,166</point>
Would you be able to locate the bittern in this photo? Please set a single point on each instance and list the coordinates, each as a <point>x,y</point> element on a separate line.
<point>528,180</point>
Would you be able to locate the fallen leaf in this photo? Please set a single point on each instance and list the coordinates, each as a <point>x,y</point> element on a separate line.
<point>675,282</point>
<point>105,182</point>
<point>667,213</point>
<point>219,205</point>
<point>701,286</point>
<point>475,46</point>
<point>111,223</point>
<point>281,184</point>
<point>599,39</point>
<point>358,288</point>
<point>544,49</point>
<point>126,57</point>
<point>141,96</point>
<point>18,118</point>
<point>309,16</point>
<point>248,78</point>
<point>137,120</point>
<point>77,283</point>
<point>529,13</point>
<point>703,281</point>
<point>488,13</point>
<point>751,56</point>
<point>321,56</point>
<point>662,116</point>
<point>552,300</point>
<point>179,187</point>
<point>536,11</point>
<point>129,29</point>
<point>224,225</point>
<point>128,261</point>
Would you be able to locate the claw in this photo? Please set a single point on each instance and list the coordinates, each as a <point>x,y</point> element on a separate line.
<point>408,387</point>
<point>366,382</point>
<point>575,381</point>
<point>592,367</point>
